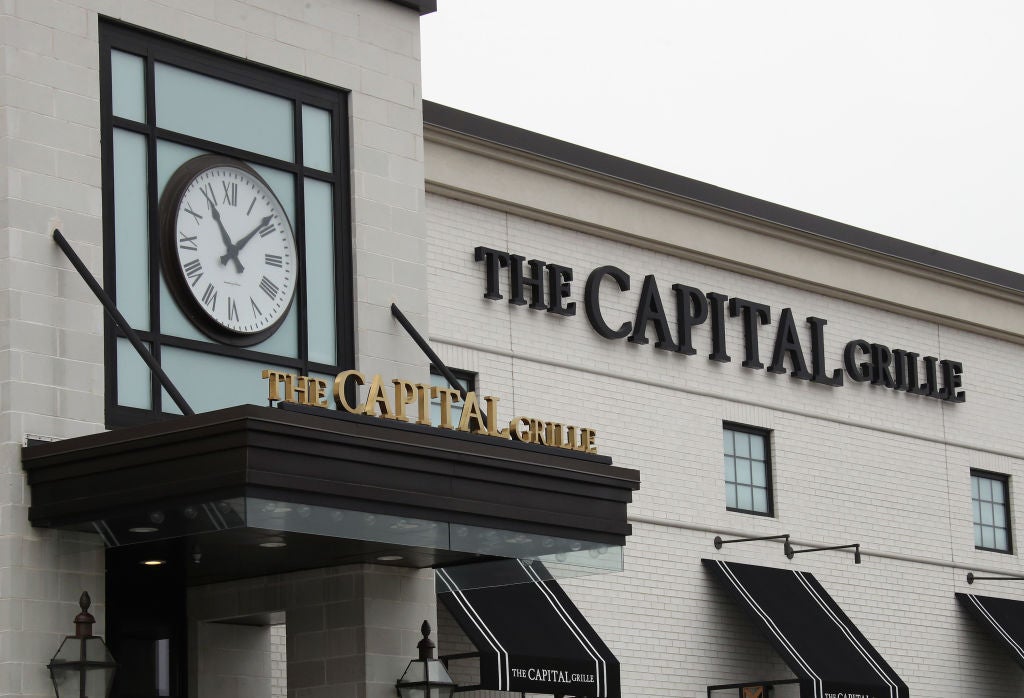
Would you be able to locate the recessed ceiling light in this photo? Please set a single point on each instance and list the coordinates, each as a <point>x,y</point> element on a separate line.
<point>273,543</point>
<point>143,529</point>
<point>154,563</point>
<point>389,558</point>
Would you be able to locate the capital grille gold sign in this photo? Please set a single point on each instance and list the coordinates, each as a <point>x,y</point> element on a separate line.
<point>392,400</point>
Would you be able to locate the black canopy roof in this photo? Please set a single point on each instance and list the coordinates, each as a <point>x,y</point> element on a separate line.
<point>815,638</point>
<point>1004,617</point>
<point>530,636</point>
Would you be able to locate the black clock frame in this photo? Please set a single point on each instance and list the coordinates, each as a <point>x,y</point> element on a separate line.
<point>176,281</point>
<point>152,48</point>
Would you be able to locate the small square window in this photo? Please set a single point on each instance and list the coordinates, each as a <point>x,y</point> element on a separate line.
<point>748,481</point>
<point>467,379</point>
<point>990,501</point>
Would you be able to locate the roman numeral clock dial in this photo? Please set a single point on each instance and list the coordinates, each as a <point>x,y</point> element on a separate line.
<point>228,250</point>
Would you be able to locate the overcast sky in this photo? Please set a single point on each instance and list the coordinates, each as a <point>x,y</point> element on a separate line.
<point>905,117</point>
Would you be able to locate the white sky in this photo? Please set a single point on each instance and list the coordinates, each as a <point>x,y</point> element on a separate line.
<point>905,117</point>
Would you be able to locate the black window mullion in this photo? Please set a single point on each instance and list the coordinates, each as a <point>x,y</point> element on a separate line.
<point>109,262</point>
<point>300,234</point>
<point>344,292</point>
<point>154,232</point>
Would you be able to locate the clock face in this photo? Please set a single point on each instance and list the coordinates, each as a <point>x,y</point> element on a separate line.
<point>228,249</point>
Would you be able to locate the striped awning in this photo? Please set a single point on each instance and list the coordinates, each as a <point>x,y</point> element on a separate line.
<point>1004,617</point>
<point>530,636</point>
<point>815,638</point>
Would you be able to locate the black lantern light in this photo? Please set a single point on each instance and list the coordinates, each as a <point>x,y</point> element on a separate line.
<point>425,677</point>
<point>83,666</point>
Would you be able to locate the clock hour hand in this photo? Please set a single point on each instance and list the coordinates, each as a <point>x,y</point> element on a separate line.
<point>233,251</point>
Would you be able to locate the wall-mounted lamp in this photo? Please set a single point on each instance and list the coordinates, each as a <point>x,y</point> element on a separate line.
<point>719,542</point>
<point>972,578</point>
<point>788,549</point>
<point>425,677</point>
<point>83,666</point>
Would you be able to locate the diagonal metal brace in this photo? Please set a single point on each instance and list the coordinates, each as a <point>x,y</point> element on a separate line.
<point>118,318</point>
<point>431,354</point>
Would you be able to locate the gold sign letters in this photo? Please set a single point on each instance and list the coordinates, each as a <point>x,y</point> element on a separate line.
<point>390,401</point>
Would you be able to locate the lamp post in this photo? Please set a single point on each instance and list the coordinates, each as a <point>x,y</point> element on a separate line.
<point>425,677</point>
<point>83,666</point>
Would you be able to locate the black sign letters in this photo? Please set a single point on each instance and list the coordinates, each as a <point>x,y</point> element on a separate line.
<point>864,362</point>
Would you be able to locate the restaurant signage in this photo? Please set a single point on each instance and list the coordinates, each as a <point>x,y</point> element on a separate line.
<point>391,400</point>
<point>549,287</point>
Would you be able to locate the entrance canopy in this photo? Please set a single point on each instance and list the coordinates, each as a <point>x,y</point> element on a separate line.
<point>529,635</point>
<point>812,634</point>
<point>1004,617</point>
<point>261,490</point>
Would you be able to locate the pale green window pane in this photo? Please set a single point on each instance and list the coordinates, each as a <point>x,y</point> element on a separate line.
<point>131,228</point>
<point>986,489</point>
<point>169,157</point>
<point>977,510</point>
<point>998,514</point>
<point>975,487</point>
<point>134,388</point>
<point>283,185</point>
<point>743,471</point>
<point>435,403</point>
<point>316,138</point>
<point>727,439</point>
<point>209,382</point>
<point>977,534</point>
<point>757,447</point>
<point>760,500</point>
<point>1001,541</point>
<point>743,445</point>
<point>128,86</point>
<point>757,475</point>
<point>320,292</point>
<point>744,497</point>
<point>730,496</point>
<point>220,111</point>
<point>988,538</point>
<point>997,491</point>
<point>986,514</point>
<point>730,469</point>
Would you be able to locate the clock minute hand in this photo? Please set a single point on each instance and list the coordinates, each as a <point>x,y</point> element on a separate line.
<point>262,226</point>
<point>231,253</point>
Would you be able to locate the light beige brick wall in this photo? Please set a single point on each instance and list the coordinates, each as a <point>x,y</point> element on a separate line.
<point>278,661</point>
<point>351,630</point>
<point>852,464</point>
<point>51,353</point>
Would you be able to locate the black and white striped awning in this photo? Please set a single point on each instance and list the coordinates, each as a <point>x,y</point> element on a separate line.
<point>529,635</point>
<point>815,638</point>
<point>1004,617</point>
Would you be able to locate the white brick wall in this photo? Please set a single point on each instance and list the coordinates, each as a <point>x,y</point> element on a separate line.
<point>852,464</point>
<point>51,354</point>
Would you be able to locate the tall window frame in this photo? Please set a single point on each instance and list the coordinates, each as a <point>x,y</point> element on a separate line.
<point>990,505</point>
<point>748,469</point>
<point>122,39</point>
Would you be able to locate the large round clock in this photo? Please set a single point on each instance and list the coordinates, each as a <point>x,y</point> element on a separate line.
<point>228,250</point>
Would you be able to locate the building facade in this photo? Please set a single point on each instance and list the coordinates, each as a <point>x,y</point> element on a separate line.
<point>259,186</point>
